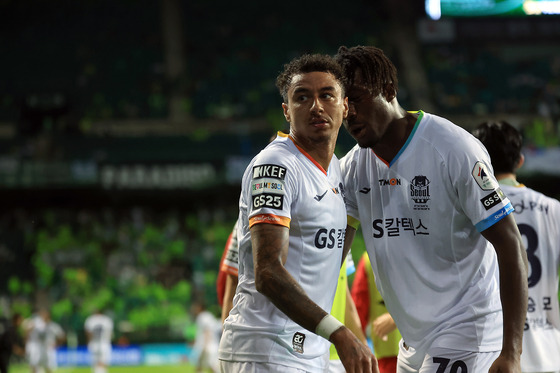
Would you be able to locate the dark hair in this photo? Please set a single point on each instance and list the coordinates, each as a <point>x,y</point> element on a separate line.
<point>306,64</point>
<point>503,143</point>
<point>377,70</point>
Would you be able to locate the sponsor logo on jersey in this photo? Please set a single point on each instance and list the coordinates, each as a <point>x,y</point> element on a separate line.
<point>297,342</point>
<point>273,201</point>
<point>396,227</point>
<point>391,182</point>
<point>269,170</point>
<point>493,199</point>
<point>483,177</point>
<point>267,185</point>
<point>335,190</point>
<point>319,197</point>
<point>365,190</point>
<point>420,192</point>
<point>329,238</point>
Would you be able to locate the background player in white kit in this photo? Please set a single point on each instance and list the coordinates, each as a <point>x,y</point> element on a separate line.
<point>538,219</point>
<point>291,232</point>
<point>99,333</point>
<point>42,336</point>
<point>437,228</point>
<point>208,329</point>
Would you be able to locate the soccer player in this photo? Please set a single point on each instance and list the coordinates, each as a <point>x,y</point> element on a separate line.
<point>205,348</point>
<point>42,337</point>
<point>99,333</point>
<point>538,219</point>
<point>447,256</point>
<point>291,232</point>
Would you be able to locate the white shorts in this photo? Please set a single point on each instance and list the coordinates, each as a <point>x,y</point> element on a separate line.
<point>336,366</point>
<point>443,360</point>
<point>41,356</point>
<point>100,353</point>
<point>252,367</point>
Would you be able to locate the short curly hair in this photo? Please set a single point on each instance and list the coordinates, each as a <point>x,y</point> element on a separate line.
<point>306,64</point>
<point>376,68</point>
<point>503,143</point>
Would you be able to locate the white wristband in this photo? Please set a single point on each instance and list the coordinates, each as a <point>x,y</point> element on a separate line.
<point>328,325</point>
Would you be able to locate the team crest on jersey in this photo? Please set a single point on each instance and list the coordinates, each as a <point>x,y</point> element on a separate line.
<point>420,192</point>
<point>297,342</point>
<point>483,177</point>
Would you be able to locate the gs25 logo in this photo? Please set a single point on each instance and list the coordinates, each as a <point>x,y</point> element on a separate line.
<point>274,201</point>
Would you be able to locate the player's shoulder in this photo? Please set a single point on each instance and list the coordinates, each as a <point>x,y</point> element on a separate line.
<point>447,136</point>
<point>353,156</point>
<point>552,202</point>
<point>281,151</point>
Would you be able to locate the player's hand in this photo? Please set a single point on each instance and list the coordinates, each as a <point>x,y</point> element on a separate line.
<point>355,356</point>
<point>383,325</point>
<point>503,364</point>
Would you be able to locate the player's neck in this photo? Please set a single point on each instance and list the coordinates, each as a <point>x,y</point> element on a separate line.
<point>397,135</point>
<point>507,179</point>
<point>320,152</point>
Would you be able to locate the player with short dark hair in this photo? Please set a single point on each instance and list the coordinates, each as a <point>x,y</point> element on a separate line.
<point>448,258</point>
<point>538,219</point>
<point>291,231</point>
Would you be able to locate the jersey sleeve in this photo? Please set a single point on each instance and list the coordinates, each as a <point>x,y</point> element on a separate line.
<point>348,169</point>
<point>272,183</point>
<point>478,191</point>
<point>230,265</point>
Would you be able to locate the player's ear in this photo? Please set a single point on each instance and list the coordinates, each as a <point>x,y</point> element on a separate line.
<point>521,161</point>
<point>286,112</point>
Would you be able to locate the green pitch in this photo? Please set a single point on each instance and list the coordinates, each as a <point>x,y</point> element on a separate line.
<point>18,368</point>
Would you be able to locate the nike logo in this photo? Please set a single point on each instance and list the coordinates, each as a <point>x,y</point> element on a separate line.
<point>320,197</point>
<point>365,190</point>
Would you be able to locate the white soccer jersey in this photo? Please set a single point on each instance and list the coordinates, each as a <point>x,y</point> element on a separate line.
<point>41,343</point>
<point>44,333</point>
<point>283,185</point>
<point>101,328</point>
<point>205,348</point>
<point>538,219</point>
<point>421,217</point>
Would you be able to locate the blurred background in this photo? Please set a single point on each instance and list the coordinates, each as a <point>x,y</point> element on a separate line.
<point>125,127</point>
